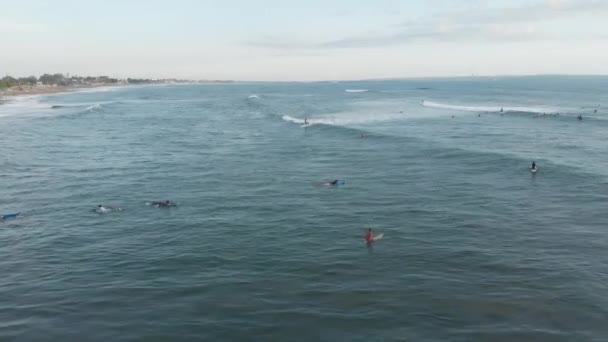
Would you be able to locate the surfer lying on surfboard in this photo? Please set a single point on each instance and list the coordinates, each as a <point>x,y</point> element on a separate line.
<point>104,209</point>
<point>335,182</point>
<point>166,203</point>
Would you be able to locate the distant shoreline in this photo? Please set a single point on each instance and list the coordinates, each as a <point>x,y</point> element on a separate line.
<point>24,90</point>
<point>7,94</point>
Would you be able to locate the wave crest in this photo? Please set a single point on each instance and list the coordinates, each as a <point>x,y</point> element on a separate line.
<point>495,109</point>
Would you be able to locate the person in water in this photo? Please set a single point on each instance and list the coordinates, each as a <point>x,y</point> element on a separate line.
<point>166,203</point>
<point>306,121</point>
<point>501,110</point>
<point>102,209</point>
<point>533,165</point>
<point>580,117</point>
<point>369,236</point>
<point>334,182</point>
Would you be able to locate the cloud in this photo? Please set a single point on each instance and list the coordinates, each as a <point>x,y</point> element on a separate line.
<point>476,24</point>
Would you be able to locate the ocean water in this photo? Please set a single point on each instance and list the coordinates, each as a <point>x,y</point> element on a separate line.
<point>475,248</point>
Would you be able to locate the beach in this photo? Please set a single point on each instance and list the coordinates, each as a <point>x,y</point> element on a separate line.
<point>26,90</point>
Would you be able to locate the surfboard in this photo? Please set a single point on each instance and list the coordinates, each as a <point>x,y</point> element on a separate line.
<point>378,237</point>
<point>340,182</point>
<point>9,215</point>
<point>375,238</point>
<point>534,170</point>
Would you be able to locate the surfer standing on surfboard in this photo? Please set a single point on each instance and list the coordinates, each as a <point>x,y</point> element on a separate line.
<point>369,237</point>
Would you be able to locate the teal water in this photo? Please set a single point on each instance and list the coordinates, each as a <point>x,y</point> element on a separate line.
<point>475,247</point>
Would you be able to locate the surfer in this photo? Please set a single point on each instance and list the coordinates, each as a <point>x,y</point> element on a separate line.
<point>594,111</point>
<point>369,236</point>
<point>579,117</point>
<point>533,165</point>
<point>501,110</point>
<point>103,209</point>
<point>166,203</point>
<point>334,182</point>
<point>306,121</point>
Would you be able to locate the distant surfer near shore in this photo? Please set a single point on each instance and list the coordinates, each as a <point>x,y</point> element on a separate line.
<point>306,121</point>
<point>579,117</point>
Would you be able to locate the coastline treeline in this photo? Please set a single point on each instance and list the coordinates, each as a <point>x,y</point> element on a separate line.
<point>54,79</point>
<point>67,80</point>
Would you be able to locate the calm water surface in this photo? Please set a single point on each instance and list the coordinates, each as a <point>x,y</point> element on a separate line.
<point>475,247</point>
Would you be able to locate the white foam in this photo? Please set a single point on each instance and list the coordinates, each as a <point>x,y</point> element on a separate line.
<point>26,104</point>
<point>347,118</point>
<point>356,90</point>
<point>253,96</point>
<point>94,108</point>
<point>100,89</point>
<point>292,119</point>
<point>496,109</point>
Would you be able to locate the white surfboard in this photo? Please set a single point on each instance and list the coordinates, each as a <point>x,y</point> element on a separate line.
<point>375,238</point>
<point>534,170</point>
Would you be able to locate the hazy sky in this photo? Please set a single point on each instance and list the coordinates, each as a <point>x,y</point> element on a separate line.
<point>303,40</point>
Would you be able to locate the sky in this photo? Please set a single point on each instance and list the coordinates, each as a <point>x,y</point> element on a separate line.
<point>309,40</point>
